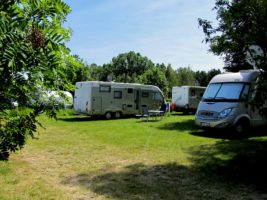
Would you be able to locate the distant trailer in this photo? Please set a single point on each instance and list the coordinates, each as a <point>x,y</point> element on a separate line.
<point>111,99</point>
<point>186,98</point>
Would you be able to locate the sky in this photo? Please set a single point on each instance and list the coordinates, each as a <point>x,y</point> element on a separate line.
<point>165,31</point>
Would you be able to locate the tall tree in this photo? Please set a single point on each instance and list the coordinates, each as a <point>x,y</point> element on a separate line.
<point>201,78</point>
<point>185,76</point>
<point>171,77</point>
<point>240,36</point>
<point>127,67</point>
<point>154,76</point>
<point>31,49</point>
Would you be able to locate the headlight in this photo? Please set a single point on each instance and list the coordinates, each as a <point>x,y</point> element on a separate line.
<point>225,113</point>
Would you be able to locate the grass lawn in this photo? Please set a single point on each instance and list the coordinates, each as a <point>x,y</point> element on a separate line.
<point>77,157</point>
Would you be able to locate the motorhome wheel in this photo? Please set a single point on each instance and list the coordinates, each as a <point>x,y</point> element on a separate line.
<point>242,126</point>
<point>108,115</point>
<point>117,115</point>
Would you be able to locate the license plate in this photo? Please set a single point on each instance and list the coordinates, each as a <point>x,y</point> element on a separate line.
<point>205,124</point>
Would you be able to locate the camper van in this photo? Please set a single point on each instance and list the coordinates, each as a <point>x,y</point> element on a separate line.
<point>111,99</point>
<point>186,98</point>
<point>227,102</point>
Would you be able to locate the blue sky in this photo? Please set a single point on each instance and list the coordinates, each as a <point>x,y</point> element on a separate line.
<point>165,31</point>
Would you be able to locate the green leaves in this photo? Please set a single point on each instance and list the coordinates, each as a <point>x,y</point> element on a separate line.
<point>31,59</point>
<point>242,24</point>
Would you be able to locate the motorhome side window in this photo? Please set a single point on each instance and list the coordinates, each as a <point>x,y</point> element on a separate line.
<point>117,94</point>
<point>245,92</point>
<point>193,93</point>
<point>157,96</point>
<point>104,88</point>
<point>145,94</point>
<point>130,90</point>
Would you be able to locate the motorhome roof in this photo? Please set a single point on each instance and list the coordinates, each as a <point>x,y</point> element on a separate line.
<point>241,76</point>
<point>118,84</point>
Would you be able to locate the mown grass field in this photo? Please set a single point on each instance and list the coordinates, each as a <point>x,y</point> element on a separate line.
<point>77,157</point>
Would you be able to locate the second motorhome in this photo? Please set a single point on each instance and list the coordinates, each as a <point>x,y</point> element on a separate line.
<point>111,99</point>
<point>228,102</point>
<point>186,98</point>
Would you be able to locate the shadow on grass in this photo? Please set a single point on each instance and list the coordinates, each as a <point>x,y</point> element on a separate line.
<point>228,169</point>
<point>76,119</point>
<point>186,125</point>
<point>81,118</point>
<point>230,134</point>
<point>206,180</point>
<point>138,182</point>
<point>240,162</point>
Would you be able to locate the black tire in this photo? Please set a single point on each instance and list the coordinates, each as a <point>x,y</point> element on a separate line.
<point>242,126</point>
<point>117,115</point>
<point>108,115</point>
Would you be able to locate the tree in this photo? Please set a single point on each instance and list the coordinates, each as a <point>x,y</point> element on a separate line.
<point>156,77</point>
<point>241,33</point>
<point>185,76</point>
<point>32,45</point>
<point>202,78</point>
<point>127,67</point>
<point>212,73</point>
<point>171,76</point>
<point>77,69</point>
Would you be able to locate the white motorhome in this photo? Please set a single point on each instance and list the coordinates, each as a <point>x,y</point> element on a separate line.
<point>227,102</point>
<point>112,99</point>
<point>187,98</point>
<point>59,98</point>
<point>63,99</point>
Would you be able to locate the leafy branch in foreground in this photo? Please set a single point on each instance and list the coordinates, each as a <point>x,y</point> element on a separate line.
<point>31,62</point>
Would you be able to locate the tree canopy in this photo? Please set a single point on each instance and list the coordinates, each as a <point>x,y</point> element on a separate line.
<point>32,54</point>
<point>240,36</point>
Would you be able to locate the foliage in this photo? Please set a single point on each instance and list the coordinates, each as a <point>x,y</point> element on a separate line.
<point>171,77</point>
<point>127,66</point>
<point>31,45</point>
<point>203,78</point>
<point>76,69</point>
<point>155,77</point>
<point>185,76</point>
<point>241,33</point>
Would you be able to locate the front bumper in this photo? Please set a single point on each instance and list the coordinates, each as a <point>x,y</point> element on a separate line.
<point>214,123</point>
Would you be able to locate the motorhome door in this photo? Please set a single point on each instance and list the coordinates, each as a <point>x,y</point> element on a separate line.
<point>137,99</point>
<point>96,105</point>
<point>128,104</point>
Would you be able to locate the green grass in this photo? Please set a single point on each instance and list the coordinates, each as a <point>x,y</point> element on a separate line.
<point>76,157</point>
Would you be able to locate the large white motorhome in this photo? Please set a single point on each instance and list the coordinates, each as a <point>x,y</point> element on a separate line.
<point>228,102</point>
<point>187,98</point>
<point>111,99</point>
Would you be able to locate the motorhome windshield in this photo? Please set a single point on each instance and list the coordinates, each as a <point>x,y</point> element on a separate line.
<point>226,92</point>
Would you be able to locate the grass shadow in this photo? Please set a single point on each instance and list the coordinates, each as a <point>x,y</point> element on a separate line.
<point>76,119</point>
<point>230,134</point>
<point>186,125</point>
<point>82,118</point>
<point>239,162</point>
<point>169,181</point>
